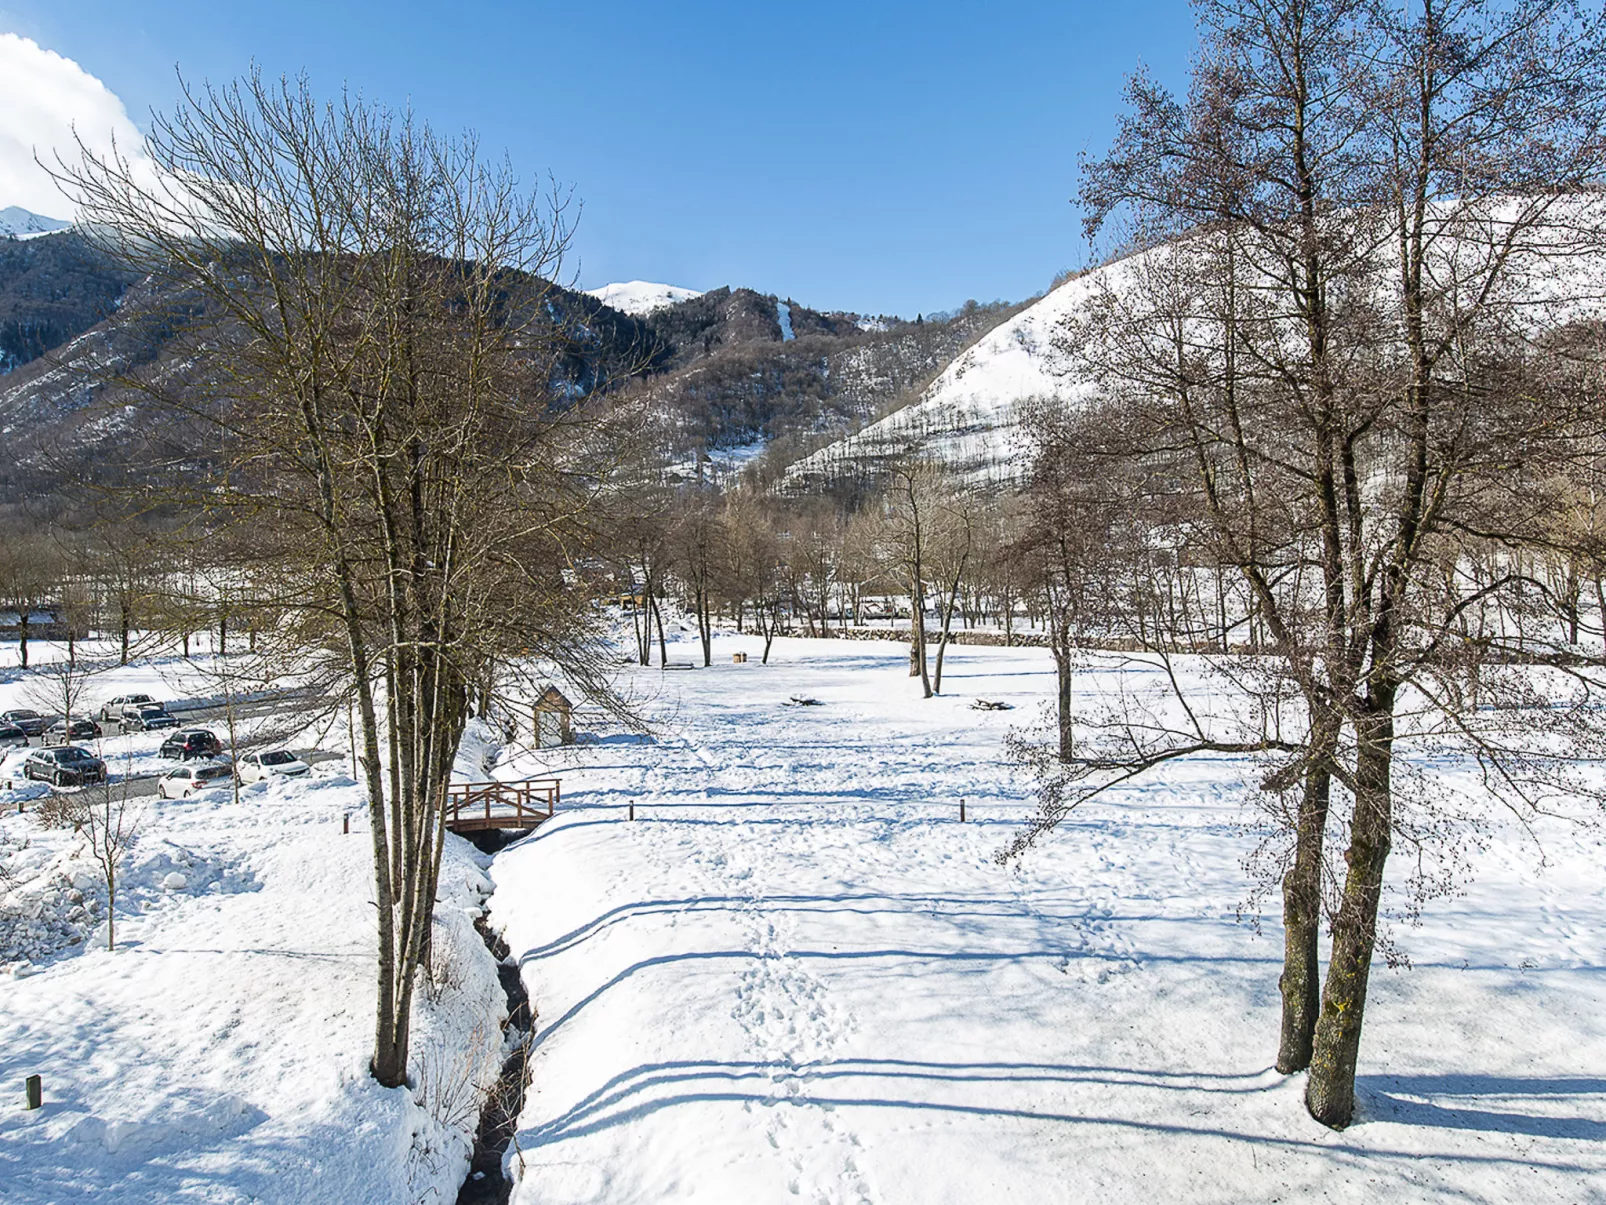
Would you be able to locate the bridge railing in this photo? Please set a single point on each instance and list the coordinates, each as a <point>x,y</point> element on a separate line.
<point>471,806</point>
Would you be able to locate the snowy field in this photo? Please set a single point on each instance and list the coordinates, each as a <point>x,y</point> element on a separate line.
<point>797,976</point>
<point>219,1053</point>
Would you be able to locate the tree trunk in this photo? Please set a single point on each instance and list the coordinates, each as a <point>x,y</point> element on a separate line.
<point>1064,670</point>
<point>917,639</point>
<point>1330,1090</point>
<point>1300,982</point>
<point>705,626</point>
<point>942,645</point>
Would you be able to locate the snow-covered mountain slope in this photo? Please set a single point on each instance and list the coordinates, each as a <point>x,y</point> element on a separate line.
<point>15,220</point>
<point>641,296</point>
<point>969,417</point>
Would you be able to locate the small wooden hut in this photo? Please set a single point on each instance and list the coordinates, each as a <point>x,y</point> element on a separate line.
<point>552,714</point>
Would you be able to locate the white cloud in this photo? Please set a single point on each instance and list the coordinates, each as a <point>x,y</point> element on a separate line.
<point>43,99</point>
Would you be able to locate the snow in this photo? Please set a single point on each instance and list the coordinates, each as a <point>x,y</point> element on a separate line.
<point>969,416</point>
<point>796,975</point>
<point>641,297</point>
<point>219,1053</point>
<point>15,220</point>
<point>783,315</point>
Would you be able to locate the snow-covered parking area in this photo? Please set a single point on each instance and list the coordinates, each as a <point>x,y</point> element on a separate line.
<point>797,976</point>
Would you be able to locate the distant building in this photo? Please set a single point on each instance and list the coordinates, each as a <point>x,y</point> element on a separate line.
<point>44,623</point>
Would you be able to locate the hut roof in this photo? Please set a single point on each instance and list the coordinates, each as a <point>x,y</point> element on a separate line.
<point>553,699</point>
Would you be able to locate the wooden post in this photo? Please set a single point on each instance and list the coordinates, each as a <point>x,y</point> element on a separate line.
<point>345,823</point>
<point>632,809</point>
<point>961,809</point>
<point>36,1091</point>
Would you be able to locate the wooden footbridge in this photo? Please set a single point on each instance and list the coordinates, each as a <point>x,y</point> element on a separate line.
<point>473,807</point>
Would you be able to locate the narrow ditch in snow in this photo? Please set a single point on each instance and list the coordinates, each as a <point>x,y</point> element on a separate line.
<point>499,1118</point>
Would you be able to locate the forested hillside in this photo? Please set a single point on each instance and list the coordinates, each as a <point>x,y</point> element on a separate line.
<point>724,369</point>
<point>52,287</point>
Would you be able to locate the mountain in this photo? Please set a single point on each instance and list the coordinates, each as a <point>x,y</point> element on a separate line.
<point>17,222</point>
<point>53,287</point>
<point>641,297</point>
<point>969,416</point>
<point>67,414</point>
<point>729,371</point>
<point>744,370</point>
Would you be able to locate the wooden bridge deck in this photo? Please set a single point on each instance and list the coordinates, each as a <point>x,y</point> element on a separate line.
<point>477,806</point>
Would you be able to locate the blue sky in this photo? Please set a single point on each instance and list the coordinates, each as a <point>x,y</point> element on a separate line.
<point>879,157</point>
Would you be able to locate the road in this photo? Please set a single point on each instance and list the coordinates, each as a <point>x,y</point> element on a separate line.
<point>190,717</point>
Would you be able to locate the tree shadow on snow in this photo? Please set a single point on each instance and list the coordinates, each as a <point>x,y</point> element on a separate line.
<point>1390,1098</point>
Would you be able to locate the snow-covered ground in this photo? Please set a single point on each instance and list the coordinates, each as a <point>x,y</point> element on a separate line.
<point>641,297</point>
<point>219,1053</point>
<point>797,976</point>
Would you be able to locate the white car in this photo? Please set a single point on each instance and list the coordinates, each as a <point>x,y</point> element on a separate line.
<point>186,780</point>
<point>112,709</point>
<point>274,763</point>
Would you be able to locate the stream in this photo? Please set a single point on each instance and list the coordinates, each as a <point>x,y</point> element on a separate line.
<point>499,1117</point>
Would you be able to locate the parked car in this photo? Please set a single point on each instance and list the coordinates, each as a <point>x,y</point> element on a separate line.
<point>30,722</point>
<point>11,736</point>
<point>186,780</point>
<point>62,731</point>
<point>145,718</point>
<point>190,744</point>
<point>113,709</point>
<point>274,763</point>
<point>67,766</point>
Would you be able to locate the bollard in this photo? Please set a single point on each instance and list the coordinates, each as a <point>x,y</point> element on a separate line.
<point>632,809</point>
<point>36,1091</point>
<point>345,823</point>
<point>961,809</point>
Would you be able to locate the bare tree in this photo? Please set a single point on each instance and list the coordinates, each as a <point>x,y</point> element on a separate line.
<point>108,821</point>
<point>1335,346</point>
<point>406,493</point>
<point>912,495</point>
<point>952,557</point>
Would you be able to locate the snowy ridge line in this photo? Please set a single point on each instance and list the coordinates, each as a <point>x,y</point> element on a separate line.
<point>969,417</point>
<point>641,297</point>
